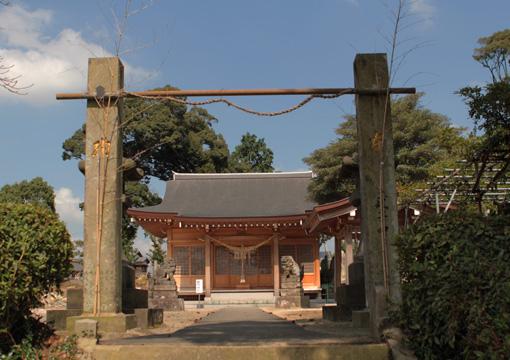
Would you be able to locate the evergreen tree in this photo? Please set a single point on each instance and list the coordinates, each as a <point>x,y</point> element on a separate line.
<point>424,143</point>
<point>251,155</point>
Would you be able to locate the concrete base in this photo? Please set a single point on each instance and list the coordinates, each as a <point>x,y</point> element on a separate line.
<point>57,318</point>
<point>114,323</point>
<point>361,319</point>
<point>336,313</point>
<point>234,352</point>
<point>146,318</point>
<point>131,299</point>
<point>86,328</point>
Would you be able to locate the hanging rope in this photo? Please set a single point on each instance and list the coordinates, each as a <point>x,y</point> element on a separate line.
<point>241,252</point>
<point>237,106</point>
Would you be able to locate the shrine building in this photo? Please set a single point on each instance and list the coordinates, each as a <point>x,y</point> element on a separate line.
<point>231,230</point>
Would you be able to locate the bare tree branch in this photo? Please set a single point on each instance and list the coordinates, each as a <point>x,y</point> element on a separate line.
<point>8,81</point>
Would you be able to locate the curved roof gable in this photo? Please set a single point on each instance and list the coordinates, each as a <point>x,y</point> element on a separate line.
<point>236,195</point>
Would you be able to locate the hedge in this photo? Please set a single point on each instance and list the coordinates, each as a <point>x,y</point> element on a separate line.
<point>35,256</point>
<point>455,272</point>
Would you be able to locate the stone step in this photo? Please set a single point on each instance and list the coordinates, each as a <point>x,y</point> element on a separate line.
<point>242,296</point>
<point>245,352</point>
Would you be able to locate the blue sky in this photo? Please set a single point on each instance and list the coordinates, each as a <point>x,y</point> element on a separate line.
<point>223,44</point>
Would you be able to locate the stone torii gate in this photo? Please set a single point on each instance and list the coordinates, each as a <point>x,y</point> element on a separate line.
<point>103,182</point>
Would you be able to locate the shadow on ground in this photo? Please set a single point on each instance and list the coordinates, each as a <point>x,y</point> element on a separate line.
<point>241,326</point>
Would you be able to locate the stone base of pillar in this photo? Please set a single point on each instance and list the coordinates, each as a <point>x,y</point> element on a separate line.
<point>57,318</point>
<point>147,318</point>
<point>115,323</point>
<point>165,297</point>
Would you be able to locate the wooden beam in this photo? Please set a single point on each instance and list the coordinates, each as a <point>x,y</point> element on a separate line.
<point>208,279</point>
<point>276,265</point>
<point>235,92</point>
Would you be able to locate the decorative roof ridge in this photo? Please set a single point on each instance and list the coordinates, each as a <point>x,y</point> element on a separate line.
<point>218,176</point>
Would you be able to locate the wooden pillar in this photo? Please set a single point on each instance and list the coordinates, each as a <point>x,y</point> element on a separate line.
<point>276,265</point>
<point>348,252</point>
<point>375,150</point>
<point>208,279</point>
<point>102,285</point>
<point>169,245</point>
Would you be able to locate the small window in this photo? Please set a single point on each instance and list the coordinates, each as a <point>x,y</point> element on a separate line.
<point>190,260</point>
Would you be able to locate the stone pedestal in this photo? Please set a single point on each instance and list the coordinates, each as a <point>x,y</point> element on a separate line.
<point>149,317</point>
<point>349,297</point>
<point>291,288</point>
<point>132,300</point>
<point>114,323</point>
<point>163,288</point>
<point>165,297</point>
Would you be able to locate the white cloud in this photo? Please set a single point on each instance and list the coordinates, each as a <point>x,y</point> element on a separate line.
<point>51,64</point>
<point>423,9</point>
<point>67,206</point>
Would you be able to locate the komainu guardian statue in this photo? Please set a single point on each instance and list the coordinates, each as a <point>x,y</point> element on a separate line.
<point>291,285</point>
<point>163,292</point>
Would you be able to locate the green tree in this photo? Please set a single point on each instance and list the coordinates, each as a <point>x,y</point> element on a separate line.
<point>424,142</point>
<point>138,195</point>
<point>494,54</point>
<point>156,253</point>
<point>36,191</point>
<point>35,256</point>
<point>162,137</point>
<point>251,155</point>
<point>489,107</point>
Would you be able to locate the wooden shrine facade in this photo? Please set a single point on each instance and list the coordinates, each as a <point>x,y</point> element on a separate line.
<point>231,229</point>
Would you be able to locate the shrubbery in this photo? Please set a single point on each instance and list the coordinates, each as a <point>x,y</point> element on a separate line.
<point>455,273</point>
<point>35,256</point>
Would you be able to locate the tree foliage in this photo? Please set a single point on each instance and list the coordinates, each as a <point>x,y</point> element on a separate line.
<point>456,286</point>
<point>162,137</point>
<point>424,141</point>
<point>489,107</point>
<point>36,191</point>
<point>494,54</point>
<point>156,253</point>
<point>139,195</point>
<point>251,155</point>
<point>35,256</point>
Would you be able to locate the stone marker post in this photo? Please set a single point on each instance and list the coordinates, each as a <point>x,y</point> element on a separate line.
<point>103,190</point>
<point>375,144</point>
<point>102,266</point>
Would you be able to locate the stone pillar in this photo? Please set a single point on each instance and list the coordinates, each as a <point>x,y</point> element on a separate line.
<point>103,190</point>
<point>348,252</point>
<point>207,267</point>
<point>338,261</point>
<point>276,265</point>
<point>371,72</point>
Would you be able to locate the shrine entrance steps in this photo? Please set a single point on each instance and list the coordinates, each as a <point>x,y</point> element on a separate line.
<point>242,333</point>
<point>222,298</point>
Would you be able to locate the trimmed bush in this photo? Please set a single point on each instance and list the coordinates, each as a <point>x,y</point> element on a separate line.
<point>455,271</point>
<point>35,256</point>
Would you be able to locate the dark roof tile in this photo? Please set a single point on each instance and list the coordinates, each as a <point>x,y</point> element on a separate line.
<point>236,195</point>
